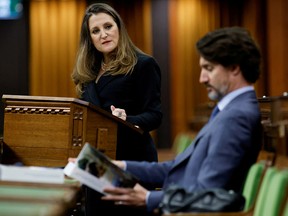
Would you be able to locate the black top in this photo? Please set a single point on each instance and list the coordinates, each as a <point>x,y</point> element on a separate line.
<point>139,93</point>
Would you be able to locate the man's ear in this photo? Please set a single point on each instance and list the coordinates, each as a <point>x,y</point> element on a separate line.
<point>235,69</point>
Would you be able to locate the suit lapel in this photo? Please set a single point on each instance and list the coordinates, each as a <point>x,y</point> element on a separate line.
<point>104,81</point>
<point>92,90</point>
<point>189,151</point>
<point>90,94</point>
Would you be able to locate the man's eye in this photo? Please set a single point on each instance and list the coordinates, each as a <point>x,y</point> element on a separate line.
<point>208,68</point>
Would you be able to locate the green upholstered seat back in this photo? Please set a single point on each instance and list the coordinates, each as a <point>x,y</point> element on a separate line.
<point>285,213</point>
<point>270,172</point>
<point>181,142</point>
<point>252,184</point>
<point>276,192</point>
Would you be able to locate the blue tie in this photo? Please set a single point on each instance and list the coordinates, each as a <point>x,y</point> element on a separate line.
<point>214,112</point>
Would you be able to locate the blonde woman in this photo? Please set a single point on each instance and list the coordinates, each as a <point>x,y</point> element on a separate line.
<point>112,73</point>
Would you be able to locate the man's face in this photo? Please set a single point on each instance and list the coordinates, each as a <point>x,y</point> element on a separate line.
<point>216,78</point>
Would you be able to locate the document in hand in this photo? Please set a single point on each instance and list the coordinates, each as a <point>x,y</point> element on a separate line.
<point>95,170</point>
<point>31,174</point>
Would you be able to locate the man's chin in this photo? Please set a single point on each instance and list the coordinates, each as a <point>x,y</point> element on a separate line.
<point>212,96</point>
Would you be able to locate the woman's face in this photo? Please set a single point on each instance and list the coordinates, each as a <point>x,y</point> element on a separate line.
<point>104,32</point>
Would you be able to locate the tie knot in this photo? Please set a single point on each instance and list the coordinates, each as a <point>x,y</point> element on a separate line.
<point>214,112</point>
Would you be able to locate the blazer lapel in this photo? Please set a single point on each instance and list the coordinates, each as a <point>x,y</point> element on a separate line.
<point>104,81</point>
<point>90,94</point>
<point>189,151</point>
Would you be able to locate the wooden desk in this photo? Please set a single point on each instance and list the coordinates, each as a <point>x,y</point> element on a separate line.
<point>29,199</point>
<point>30,208</point>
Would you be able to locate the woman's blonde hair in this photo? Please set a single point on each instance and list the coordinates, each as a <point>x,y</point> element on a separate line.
<point>88,58</point>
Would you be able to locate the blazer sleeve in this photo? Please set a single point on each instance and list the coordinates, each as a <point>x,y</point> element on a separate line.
<point>147,77</point>
<point>151,173</point>
<point>154,199</point>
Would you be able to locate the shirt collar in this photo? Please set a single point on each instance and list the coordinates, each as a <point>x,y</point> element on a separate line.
<point>229,97</point>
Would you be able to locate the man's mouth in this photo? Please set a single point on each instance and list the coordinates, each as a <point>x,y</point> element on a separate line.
<point>209,89</point>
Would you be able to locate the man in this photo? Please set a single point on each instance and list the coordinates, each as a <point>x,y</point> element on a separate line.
<point>228,144</point>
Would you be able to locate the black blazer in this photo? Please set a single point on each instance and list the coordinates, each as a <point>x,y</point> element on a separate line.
<point>139,93</point>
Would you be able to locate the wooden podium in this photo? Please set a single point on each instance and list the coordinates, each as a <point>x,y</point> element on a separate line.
<point>45,131</point>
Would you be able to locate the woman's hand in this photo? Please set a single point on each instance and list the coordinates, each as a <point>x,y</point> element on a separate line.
<point>127,196</point>
<point>120,113</point>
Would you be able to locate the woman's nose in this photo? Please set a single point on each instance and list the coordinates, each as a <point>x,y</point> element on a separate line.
<point>103,34</point>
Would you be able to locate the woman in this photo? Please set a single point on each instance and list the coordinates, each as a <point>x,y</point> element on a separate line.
<point>111,72</point>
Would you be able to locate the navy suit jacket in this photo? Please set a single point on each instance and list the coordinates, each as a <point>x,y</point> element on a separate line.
<point>219,157</point>
<point>139,94</point>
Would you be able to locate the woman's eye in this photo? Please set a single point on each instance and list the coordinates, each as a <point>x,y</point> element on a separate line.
<point>95,31</point>
<point>108,27</point>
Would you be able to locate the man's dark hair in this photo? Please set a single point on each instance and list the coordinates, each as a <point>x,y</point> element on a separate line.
<point>232,46</point>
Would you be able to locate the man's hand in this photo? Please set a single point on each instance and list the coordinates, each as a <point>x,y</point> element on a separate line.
<point>73,160</point>
<point>119,163</point>
<point>127,196</point>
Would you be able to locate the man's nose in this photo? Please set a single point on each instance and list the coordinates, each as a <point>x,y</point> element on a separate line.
<point>203,77</point>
